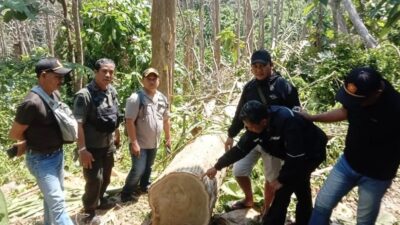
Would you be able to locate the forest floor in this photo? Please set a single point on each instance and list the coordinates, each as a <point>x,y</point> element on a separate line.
<point>139,213</point>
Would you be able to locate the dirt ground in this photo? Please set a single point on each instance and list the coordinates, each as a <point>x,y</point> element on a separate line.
<point>139,212</point>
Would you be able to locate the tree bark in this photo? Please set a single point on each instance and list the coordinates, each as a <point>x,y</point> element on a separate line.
<point>3,45</point>
<point>216,30</point>
<point>179,196</point>
<point>249,26</point>
<point>369,41</point>
<point>318,33</point>
<point>163,32</point>
<point>21,40</point>
<point>339,26</point>
<point>49,34</point>
<point>261,16</point>
<point>189,57</point>
<point>273,22</point>
<point>201,35</point>
<point>78,43</point>
<point>66,22</point>
<point>238,32</point>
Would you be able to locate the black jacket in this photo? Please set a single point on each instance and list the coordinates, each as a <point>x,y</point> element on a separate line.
<point>289,137</point>
<point>277,91</point>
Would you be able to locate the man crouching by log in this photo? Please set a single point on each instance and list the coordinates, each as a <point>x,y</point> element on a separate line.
<point>287,135</point>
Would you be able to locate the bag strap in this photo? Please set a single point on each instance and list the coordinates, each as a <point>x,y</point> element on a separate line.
<point>262,96</point>
<point>45,97</point>
<point>141,103</point>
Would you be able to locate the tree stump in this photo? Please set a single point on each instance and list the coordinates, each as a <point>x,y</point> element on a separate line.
<point>179,196</point>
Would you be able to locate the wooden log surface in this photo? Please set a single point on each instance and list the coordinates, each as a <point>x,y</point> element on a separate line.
<point>179,196</point>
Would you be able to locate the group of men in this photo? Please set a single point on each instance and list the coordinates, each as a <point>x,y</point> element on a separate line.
<point>277,131</point>
<point>97,113</point>
<point>289,143</point>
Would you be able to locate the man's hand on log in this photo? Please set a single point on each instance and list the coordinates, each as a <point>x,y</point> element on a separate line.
<point>210,173</point>
<point>228,143</point>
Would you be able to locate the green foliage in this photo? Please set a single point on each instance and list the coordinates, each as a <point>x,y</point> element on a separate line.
<point>321,74</point>
<point>118,30</point>
<point>19,10</point>
<point>16,79</point>
<point>3,210</point>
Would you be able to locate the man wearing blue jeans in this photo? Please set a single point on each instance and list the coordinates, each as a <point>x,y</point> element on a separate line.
<point>39,136</point>
<point>147,115</point>
<point>372,150</point>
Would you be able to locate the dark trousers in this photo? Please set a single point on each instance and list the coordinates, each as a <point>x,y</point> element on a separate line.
<point>98,178</point>
<point>277,213</point>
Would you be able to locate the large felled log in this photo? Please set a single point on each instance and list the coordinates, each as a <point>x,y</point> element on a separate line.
<point>179,196</point>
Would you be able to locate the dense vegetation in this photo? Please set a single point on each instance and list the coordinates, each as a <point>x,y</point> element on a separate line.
<point>306,50</point>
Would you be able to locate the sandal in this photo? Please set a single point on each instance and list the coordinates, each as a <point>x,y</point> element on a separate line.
<point>238,205</point>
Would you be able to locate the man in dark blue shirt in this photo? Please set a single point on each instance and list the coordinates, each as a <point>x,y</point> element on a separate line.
<point>288,136</point>
<point>372,150</point>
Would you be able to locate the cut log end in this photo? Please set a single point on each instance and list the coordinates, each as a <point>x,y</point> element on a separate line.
<point>179,199</point>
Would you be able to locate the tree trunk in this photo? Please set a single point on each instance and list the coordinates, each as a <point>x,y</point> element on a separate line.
<point>201,35</point>
<point>339,26</point>
<point>273,22</point>
<point>261,15</point>
<point>3,46</point>
<point>216,30</point>
<point>189,57</point>
<point>248,27</point>
<point>319,31</point>
<point>66,22</point>
<point>49,34</point>
<point>163,32</point>
<point>179,196</point>
<point>238,31</point>
<point>21,40</point>
<point>369,41</point>
<point>78,43</point>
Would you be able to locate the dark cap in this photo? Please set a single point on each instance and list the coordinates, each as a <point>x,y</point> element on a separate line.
<point>261,56</point>
<point>149,71</point>
<point>51,64</point>
<point>359,84</point>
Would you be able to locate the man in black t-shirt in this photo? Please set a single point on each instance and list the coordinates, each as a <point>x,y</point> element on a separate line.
<point>372,150</point>
<point>39,136</point>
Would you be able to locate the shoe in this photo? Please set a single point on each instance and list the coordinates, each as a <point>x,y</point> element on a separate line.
<point>106,204</point>
<point>144,191</point>
<point>238,205</point>
<point>125,198</point>
<point>89,215</point>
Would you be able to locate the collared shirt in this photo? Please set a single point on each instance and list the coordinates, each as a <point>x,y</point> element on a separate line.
<point>149,118</point>
<point>85,111</point>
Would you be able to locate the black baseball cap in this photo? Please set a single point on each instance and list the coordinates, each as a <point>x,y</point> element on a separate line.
<point>359,84</point>
<point>260,56</point>
<point>51,64</point>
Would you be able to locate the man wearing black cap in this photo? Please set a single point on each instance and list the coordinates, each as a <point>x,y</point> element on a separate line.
<point>270,88</point>
<point>39,136</point>
<point>372,150</point>
<point>146,115</point>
